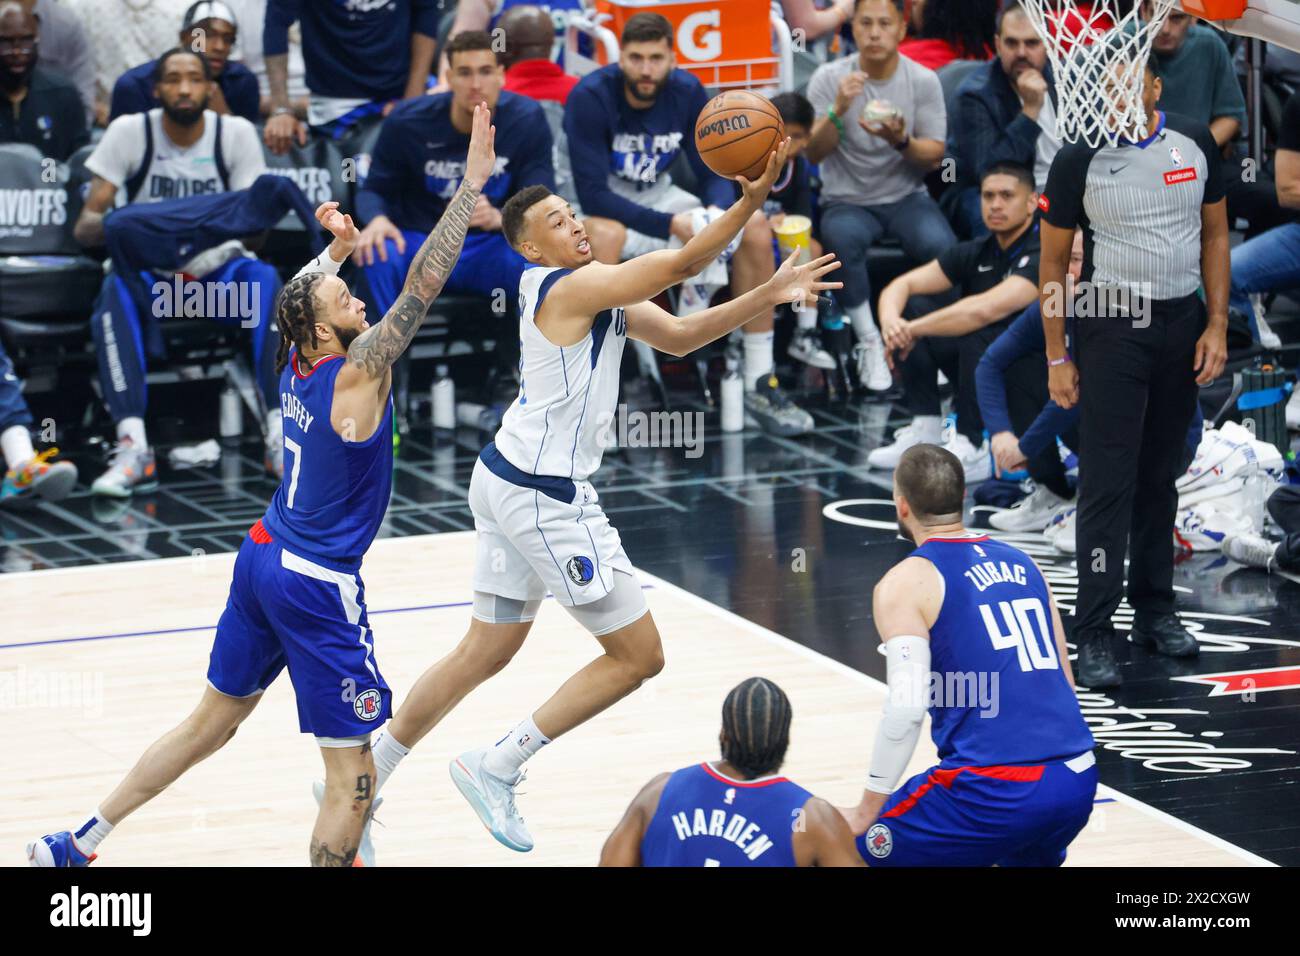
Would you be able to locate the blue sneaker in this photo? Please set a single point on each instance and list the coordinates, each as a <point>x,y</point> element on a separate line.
<point>57,849</point>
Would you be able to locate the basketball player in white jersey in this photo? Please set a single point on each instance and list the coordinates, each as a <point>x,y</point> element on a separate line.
<point>539,521</point>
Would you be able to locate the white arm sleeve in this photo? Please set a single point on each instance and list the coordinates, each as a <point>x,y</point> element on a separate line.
<point>907,671</point>
<point>322,263</point>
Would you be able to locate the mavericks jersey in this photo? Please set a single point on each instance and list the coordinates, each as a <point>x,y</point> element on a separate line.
<point>562,420</point>
<point>334,493</point>
<point>706,819</point>
<point>1004,698</point>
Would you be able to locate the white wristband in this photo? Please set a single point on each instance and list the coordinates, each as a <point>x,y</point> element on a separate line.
<point>322,263</point>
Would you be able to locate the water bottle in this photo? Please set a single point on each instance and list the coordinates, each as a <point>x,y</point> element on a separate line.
<point>733,398</point>
<point>479,417</point>
<point>232,415</point>
<point>1254,495</point>
<point>444,400</point>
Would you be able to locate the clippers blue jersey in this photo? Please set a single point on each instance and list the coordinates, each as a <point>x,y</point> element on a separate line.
<point>706,819</point>
<point>1005,699</point>
<point>334,493</point>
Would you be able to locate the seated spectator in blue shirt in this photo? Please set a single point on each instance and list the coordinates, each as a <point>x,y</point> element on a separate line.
<point>626,124</point>
<point>209,27</point>
<point>1006,112</point>
<point>44,108</point>
<point>417,165</point>
<point>360,59</point>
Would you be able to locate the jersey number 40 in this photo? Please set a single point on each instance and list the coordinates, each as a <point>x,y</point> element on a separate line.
<point>1024,627</point>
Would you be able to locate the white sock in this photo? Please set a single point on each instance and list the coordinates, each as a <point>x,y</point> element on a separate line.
<point>807,318</point>
<point>89,834</point>
<point>133,428</point>
<point>16,443</point>
<point>758,357</point>
<point>864,322</point>
<point>510,752</point>
<point>387,753</point>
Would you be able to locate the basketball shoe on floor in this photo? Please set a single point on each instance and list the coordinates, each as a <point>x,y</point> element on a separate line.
<point>492,798</point>
<point>1031,513</point>
<point>57,849</point>
<point>923,428</point>
<point>806,347</point>
<point>1251,550</point>
<point>130,469</point>
<point>1060,531</point>
<point>365,849</point>
<point>873,370</point>
<point>774,411</point>
<point>39,478</point>
<point>974,460</point>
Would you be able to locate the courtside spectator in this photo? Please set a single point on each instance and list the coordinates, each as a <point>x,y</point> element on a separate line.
<point>998,277</point>
<point>1006,112</point>
<point>65,48</point>
<point>177,150</point>
<point>487,16</point>
<point>43,108</point>
<point>952,30</point>
<point>27,474</point>
<point>418,163</point>
<point>530,71</point>
<point>248,51</point>
<point>124,34</point>
<point>816,19</point>
<point>360,59</point>
<point>626,124</point>
<point>873,165</point>
<point>208,27</point>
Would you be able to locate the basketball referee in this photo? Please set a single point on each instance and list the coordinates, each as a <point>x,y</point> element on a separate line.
<point>1155,229</point>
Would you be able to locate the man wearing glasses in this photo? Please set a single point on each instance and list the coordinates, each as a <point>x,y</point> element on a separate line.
<point>39,107</point>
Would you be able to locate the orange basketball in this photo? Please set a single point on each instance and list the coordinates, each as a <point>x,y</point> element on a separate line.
<point>736,132</point>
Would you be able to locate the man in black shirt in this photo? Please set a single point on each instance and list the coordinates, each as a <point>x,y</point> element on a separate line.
<point>997,275</point>
<point>1155,226</point>
<point>43,109</point>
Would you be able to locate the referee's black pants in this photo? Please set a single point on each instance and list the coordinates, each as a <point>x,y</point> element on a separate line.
<point>1137,394</point>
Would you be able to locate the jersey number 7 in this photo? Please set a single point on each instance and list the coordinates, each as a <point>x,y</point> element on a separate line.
<point>292,447</point>
<point>1026,630</point>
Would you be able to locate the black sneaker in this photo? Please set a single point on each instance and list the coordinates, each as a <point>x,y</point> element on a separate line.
<point>1165,633</point>
<point>772,408</point>
<point>1096,666</point>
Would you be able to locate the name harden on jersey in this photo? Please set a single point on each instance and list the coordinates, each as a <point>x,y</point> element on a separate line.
<point>749,839</point>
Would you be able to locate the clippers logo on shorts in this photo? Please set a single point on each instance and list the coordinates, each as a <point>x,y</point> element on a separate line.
<point>1176,176</point>
<point>880,842</point>
<point>580,570</point>
<point>368,704</point>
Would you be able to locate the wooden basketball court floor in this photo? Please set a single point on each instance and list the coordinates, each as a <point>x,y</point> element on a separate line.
<point>97,661</point>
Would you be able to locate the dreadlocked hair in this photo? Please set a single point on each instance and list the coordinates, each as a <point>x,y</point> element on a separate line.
<point>295,316</point>
<point>756,722</point>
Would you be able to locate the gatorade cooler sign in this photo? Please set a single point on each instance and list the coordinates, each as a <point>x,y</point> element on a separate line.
<point>724,43</point>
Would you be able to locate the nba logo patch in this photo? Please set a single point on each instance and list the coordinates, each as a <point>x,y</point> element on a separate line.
<point>368,704</point>
<point>1175,155</point>
<point>880,842</point>
<point>730,796</point>
<point>580,570</point>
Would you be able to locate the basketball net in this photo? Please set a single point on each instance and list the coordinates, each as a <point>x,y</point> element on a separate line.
<point>1098,54</point>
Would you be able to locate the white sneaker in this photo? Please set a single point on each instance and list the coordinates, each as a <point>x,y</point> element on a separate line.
<point>806,347</point>
<point>1031,513</point>
<point>1060,531</point>
<point>1293,410</point>
<point>1267,337</point>
<point>1251,550</point>
<point>975,461</point>
<point>492,798</point>
<point>130,469</point>
<point>922,429</point>
<point>873,370</point>
<point>365,849</point>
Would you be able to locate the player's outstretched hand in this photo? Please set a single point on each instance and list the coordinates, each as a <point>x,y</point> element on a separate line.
<point>341,227</point>
<point>800,284</point>
<point>482,156</point>
<point>757,191</point>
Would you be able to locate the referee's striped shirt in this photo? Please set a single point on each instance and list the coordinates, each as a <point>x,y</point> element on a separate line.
<point>1139,204</point>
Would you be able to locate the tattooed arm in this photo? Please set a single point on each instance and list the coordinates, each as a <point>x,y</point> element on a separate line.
<point>376,349</point>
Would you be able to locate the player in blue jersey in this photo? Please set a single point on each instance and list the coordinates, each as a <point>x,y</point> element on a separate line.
<point>297,599</point>
<point>539,520</point>
<point>972,633</point>
<point>735,811</point>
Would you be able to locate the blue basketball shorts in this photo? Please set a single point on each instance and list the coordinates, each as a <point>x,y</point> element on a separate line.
<point>984,816</point>
<point>287,611</point>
